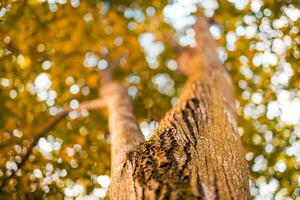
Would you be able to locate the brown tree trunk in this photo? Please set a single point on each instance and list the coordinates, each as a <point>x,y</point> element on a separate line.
<point>196,153</point>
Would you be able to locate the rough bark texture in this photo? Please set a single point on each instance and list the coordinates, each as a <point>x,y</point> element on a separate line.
<point>196,152</point>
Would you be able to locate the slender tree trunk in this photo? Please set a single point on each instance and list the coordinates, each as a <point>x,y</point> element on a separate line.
<point>196,153</point>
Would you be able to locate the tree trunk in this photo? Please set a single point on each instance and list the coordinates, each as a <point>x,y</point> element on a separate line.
<point>196,153</point>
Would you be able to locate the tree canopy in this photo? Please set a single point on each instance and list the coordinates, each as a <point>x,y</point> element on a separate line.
<point>52,51</point>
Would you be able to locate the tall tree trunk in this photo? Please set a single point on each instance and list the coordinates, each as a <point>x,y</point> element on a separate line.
<point>196,153</point>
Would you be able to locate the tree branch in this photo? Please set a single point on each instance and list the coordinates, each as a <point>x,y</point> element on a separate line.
<point>123,126</point>
<point>42,133</point>
<point>90,105</point>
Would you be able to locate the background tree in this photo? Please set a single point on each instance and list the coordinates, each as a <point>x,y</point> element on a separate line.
<point>51,53</point>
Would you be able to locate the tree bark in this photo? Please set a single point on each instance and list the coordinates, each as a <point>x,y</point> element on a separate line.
<point>196,153</point>
<point>123,127</point>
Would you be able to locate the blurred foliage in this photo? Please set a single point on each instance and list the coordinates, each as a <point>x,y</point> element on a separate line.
<point>51,53</point>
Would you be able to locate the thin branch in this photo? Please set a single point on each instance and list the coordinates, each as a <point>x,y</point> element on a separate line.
<point>90,105</point>
<point>42,133</point>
